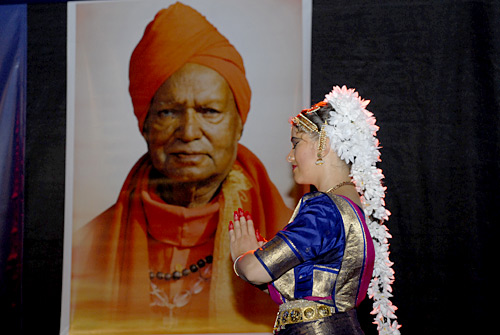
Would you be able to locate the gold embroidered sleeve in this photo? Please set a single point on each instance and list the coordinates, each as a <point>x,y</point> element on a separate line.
<point>278,256</point>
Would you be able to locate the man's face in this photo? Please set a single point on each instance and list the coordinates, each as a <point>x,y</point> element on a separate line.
<point>193,126</point>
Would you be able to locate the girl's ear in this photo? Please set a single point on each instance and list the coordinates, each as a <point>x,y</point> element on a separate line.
<point>327,147</point>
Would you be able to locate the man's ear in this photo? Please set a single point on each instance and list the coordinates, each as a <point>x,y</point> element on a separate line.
<point>145,133</point>
<point>240,124</point>
<point>145,128</point>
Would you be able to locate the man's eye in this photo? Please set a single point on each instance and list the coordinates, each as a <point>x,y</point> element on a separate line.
<point>166,112</point>
<point>207,110</point>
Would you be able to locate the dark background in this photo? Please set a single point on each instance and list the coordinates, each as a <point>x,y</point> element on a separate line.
<point>431,69</point>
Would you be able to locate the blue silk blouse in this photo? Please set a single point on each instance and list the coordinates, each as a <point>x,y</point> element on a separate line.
<point>324,254</point>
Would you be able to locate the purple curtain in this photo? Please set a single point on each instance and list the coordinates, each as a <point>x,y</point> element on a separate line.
<point>13,41</point>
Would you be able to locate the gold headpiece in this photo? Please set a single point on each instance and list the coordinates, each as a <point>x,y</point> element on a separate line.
<point>303,121</point>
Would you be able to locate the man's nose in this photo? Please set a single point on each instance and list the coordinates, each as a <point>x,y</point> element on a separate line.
<point>190,127</point>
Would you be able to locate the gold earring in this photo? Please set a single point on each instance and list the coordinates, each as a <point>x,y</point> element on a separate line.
<point>319,161</point>
<point>321,146</point>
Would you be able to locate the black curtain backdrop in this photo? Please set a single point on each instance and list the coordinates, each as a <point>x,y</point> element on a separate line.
<point>44,169</point>
<point>431,69</point>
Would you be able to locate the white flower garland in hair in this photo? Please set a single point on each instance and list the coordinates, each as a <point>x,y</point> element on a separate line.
<point>352,132</point>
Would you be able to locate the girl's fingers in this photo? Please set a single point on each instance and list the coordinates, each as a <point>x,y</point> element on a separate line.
<point>243,222</point>
<point>250,227</point>
<point>237,229</point>
<point>246,222</point>
<point>243,226</point>
<point>258,236</point>
<point>232,240</point>
<point>237,225</point>
<point>242,234</point>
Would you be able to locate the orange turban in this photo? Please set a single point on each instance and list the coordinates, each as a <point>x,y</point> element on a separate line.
<point>180,35</point>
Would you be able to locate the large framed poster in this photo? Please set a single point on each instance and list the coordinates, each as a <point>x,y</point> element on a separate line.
<point>177,115</point>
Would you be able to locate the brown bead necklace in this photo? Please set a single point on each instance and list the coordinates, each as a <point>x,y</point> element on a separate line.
<point>176,275</point>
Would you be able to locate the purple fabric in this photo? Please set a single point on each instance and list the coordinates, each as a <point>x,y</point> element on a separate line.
<point>274,294</point>
<point>13,64</point>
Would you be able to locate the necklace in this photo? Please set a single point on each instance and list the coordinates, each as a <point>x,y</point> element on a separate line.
<point>344,183</point>
<point>164,304</point>
<point>176,275</point>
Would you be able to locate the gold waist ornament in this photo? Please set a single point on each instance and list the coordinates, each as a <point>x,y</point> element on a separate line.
<point>301,311</point>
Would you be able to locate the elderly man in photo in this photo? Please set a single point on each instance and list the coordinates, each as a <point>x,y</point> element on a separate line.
<point>158,258</point>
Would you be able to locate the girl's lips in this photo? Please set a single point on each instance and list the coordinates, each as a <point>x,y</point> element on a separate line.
<point>293,167</point>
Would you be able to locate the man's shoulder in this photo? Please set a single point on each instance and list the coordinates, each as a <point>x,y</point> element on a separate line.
<point>105,216</point>
<point>98,223</point>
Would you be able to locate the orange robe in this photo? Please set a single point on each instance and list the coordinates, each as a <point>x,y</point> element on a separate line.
<point>114,254</point>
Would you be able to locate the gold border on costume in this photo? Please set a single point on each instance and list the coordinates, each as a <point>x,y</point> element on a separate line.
<point>351,270</point>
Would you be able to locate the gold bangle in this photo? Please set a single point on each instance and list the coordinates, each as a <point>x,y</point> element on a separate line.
<point>234,265</point>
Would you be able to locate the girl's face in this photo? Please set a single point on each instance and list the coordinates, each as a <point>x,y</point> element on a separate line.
<point>303,157</point>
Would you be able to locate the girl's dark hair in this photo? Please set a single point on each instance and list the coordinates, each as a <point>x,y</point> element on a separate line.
<point>318,115</point>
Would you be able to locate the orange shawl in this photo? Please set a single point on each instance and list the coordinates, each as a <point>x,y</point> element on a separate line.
<point>110,286</point>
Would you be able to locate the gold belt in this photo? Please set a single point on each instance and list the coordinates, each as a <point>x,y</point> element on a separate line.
<point>301,311</point>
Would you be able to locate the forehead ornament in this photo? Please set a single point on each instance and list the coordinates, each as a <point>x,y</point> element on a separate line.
<point>302,121</point>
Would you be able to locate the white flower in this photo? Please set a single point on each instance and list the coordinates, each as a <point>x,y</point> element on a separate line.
<point>352,131</point>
